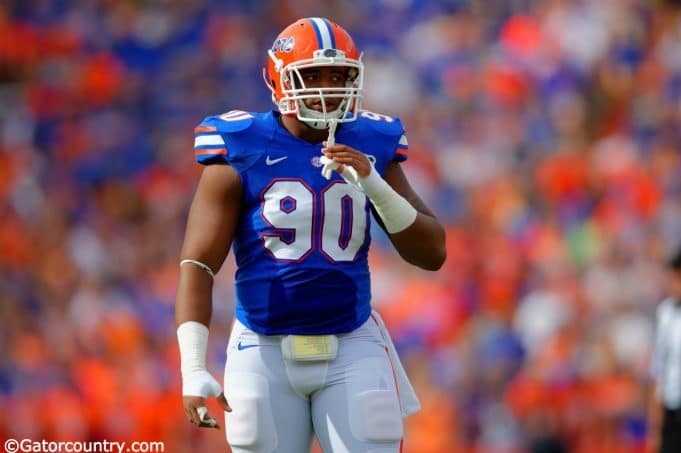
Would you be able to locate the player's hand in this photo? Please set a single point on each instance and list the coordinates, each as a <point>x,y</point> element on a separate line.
<point>342,157</point>
<point>197,412</point>
<point>196,387</point>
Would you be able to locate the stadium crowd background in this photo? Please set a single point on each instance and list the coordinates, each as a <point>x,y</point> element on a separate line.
<point>546,134</point>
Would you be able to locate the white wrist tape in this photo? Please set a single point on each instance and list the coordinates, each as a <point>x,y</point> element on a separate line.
<point>192,338</point>
<point>395,211</point>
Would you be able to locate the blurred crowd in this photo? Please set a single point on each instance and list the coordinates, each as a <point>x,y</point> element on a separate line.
<point>546,134</point>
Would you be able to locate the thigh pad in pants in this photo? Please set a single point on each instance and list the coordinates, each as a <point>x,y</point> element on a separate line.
<point>374,408</point>
<point>250,425</point>
<point>376,417</point>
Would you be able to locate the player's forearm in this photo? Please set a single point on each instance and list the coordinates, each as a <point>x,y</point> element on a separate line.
<point>415,232</point>
<point>194,296</point>
<point>193,308</point>
<point>423,243</point>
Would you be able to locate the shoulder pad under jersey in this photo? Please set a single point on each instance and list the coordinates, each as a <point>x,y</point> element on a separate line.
<point>388,125</point>
<point>233,121</point>
<point>391,129</point>
<point>209,136</point>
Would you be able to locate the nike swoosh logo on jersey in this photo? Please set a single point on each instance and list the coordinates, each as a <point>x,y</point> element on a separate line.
<point>241,347</point>
<point>269,161</point>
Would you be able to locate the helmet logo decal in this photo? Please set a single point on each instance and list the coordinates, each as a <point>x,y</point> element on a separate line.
<point>330,52</point>
<point>283,45</point>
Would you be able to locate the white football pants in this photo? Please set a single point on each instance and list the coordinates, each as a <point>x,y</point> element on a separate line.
<point>350,402</point>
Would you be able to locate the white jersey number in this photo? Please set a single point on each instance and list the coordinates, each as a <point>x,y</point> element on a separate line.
<point>338,230</point>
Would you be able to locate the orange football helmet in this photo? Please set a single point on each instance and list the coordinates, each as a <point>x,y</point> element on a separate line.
<point>309,43</point>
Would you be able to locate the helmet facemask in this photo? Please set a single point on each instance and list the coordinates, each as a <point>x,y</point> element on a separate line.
<point>294,91</point>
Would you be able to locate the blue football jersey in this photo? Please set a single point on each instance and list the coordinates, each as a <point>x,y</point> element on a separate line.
<point>302,241</point>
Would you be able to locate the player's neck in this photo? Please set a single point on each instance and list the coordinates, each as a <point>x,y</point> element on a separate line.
<point>302,131</point>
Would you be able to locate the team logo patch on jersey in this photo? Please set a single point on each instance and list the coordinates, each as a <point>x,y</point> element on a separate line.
<point>283,45</point>
<point>315,161</point>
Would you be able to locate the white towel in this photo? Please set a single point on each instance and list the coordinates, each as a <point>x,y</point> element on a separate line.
<point>409,402</point>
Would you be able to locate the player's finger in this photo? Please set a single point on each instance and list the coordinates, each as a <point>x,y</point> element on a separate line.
<point>190,404</point>
<point>192,416</point>
<point>362,166</point>
<point>351,155</point>
<point>345,159</point>
<point>337,148</point>
<point>223,402</point>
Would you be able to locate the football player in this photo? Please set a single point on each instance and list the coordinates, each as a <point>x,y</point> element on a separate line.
<point>293,191</point>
